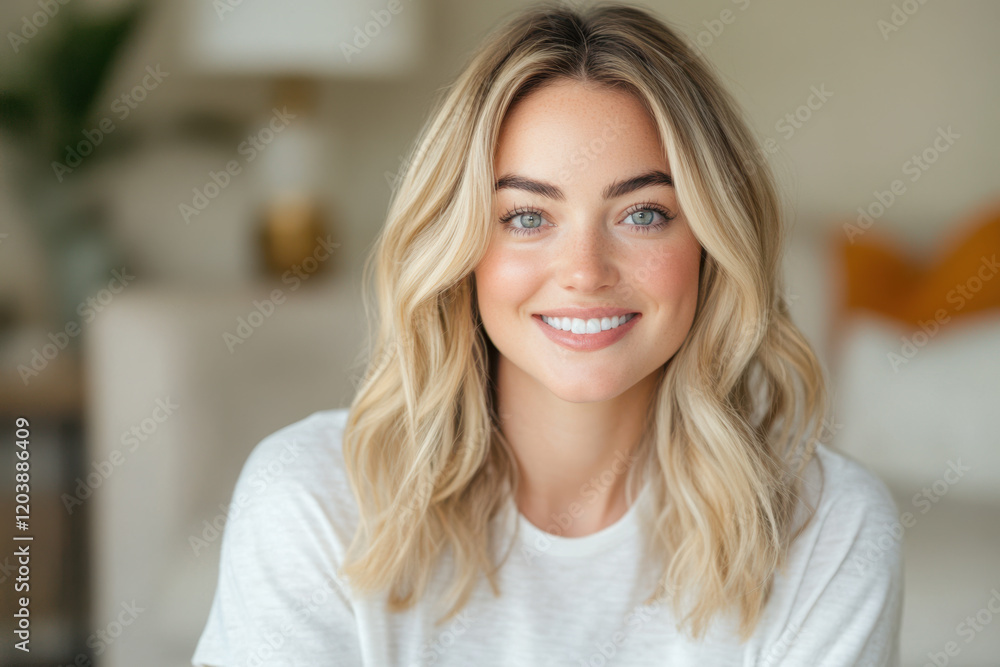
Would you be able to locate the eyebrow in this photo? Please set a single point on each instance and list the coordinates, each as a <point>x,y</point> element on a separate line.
<point>616,189</point>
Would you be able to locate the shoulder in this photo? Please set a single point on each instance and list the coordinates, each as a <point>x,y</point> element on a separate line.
<point>856,526</point>
<point>838,600</point>
<point>851,491</point>
<point>304,451</point>
<point>291,516</point>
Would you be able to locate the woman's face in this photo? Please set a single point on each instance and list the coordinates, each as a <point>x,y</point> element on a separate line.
<point>593,229</point>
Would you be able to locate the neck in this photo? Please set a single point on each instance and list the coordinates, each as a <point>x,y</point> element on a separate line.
<point>573,458</point>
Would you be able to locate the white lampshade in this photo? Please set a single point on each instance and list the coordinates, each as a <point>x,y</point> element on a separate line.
<point>317,38</point>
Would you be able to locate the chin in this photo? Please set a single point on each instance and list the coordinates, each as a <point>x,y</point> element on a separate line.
<point>577,393</point>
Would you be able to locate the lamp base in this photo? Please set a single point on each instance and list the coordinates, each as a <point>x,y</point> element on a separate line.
<point>293,237</point>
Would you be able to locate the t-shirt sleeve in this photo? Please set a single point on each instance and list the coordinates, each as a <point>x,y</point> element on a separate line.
<point>848,606</point>
<point>278,601</point>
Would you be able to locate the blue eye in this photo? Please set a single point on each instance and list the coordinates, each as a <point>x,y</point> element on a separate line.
<point>642,217</point>
<point>529,218</point>
<point>646,219</point>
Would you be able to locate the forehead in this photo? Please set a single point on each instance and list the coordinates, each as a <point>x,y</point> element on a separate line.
<point>568,124</point>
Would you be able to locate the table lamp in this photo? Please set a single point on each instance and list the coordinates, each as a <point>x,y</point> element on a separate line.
<point>299,45</point>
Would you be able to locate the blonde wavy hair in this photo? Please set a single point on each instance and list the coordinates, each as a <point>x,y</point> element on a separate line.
<point>738,409</point>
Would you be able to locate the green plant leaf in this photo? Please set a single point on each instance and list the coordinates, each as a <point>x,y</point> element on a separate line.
<point>18,114</point>
<point>80,61</point>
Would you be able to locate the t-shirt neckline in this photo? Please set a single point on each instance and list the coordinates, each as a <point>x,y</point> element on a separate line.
<point>624,529</point>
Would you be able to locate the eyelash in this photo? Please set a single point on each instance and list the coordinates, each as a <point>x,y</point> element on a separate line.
<point>645,206</point>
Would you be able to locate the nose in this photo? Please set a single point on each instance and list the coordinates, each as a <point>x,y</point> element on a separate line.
<point>586,260</point>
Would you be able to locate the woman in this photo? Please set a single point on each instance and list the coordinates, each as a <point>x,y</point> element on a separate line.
<point>589,432</point>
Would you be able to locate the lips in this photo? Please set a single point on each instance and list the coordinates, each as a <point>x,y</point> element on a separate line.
<point>587,342</point>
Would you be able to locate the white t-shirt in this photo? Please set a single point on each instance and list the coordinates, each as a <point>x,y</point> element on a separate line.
<point>574,601</point>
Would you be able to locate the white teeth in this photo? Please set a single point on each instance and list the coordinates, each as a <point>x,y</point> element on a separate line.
<point>591,326</point>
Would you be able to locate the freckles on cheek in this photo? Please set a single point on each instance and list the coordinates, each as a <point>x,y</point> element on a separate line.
<point>669,276</point>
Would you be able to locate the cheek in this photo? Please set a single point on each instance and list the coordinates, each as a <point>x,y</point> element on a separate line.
<point>670,277</point>
<point>505,278</point>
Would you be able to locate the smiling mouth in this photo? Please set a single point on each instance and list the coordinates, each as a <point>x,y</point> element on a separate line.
<point>593,325</point>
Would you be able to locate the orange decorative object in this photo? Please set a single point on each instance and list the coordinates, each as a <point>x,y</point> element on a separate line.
<point>963,279</point>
